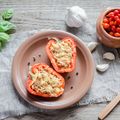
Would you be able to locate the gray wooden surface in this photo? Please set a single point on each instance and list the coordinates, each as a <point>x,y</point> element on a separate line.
<point>46,14</point>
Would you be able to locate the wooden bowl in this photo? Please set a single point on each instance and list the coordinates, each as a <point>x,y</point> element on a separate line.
<point>103,36</point>
<point>33,51</point>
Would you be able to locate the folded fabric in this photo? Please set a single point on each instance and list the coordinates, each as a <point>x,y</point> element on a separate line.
<point>105,86</point>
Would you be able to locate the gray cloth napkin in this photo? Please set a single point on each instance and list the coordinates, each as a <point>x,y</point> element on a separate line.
<point>105,86</point>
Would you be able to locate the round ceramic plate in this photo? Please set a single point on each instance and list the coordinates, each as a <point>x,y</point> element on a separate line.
<point>77,82</point>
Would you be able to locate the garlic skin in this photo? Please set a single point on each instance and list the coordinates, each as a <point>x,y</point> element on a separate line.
<point>92,46</point>
<point>109,56</point>
<point>102,67</point>
<point>75,17</point>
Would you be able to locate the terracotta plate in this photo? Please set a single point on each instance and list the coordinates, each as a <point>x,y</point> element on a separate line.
<point>33,51</point>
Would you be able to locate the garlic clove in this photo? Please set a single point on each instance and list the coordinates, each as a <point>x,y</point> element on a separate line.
<point>109,56</point>
<point>102,67</point>
<point>92,46</point>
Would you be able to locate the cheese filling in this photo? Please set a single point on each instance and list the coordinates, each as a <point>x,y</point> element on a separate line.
<point>62,53</point>
<point>45,82</point>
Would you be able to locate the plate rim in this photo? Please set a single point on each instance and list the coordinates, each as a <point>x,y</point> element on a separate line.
<point>36,35</point>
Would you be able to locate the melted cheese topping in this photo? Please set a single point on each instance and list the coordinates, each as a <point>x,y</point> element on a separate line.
<point>62,53</point>
<point>45,82</point>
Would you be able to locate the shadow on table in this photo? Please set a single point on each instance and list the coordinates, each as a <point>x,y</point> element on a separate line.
<point>51,114</point>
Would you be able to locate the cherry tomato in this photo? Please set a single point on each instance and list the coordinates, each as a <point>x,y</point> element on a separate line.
<point>113,28</point>
<point>106,25</point>
<point>117,34</point>
<point>119,15</point>
<point>118,21</point>
<point>118,29</point>
<point>111,23</point>
<point>116,12</point>
<point>105,20</point>
<point>111,14</point>
<point>111,33</point>
<point>116,17</point>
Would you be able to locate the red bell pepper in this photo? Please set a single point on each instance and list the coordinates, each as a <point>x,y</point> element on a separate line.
<point>38,68</point>
<point>72,62</point>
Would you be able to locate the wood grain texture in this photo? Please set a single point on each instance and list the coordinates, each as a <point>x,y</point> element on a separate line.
<point>49,14</point>
<point>81,113</point>
<point>109,107</point>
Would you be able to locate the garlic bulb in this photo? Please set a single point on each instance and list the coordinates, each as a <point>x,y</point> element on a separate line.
<point>102,67</point>
<point>92,46</point>
<point>75,17</point>
<point>109,56</point>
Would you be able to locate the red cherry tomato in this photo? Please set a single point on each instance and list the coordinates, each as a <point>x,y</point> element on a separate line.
<point>118,21</point>
<point>116,12</point>
<point>111,23</point>
<point>116,17</point>
<point>118,29</point>
<point>119,15</point>
<point>117,34</point>
<point>111,33</point>
<point>111,14</point>
<point>106,25</point>
<point>113,28</point>
<point>110,19</point>
<point>105,20</point>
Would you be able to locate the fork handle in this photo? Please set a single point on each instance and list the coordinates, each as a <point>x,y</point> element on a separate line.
<point>109,107</point>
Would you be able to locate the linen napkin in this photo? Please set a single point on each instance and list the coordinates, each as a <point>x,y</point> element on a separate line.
<point>105,86</point>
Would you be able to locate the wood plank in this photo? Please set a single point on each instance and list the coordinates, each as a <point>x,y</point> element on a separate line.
<point>76,113</point>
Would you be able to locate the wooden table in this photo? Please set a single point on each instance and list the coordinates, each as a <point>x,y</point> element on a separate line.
<point>49,14</point>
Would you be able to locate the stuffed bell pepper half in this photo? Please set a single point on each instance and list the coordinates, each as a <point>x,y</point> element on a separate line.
<point>62,54</point>
<point>44,81</point>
